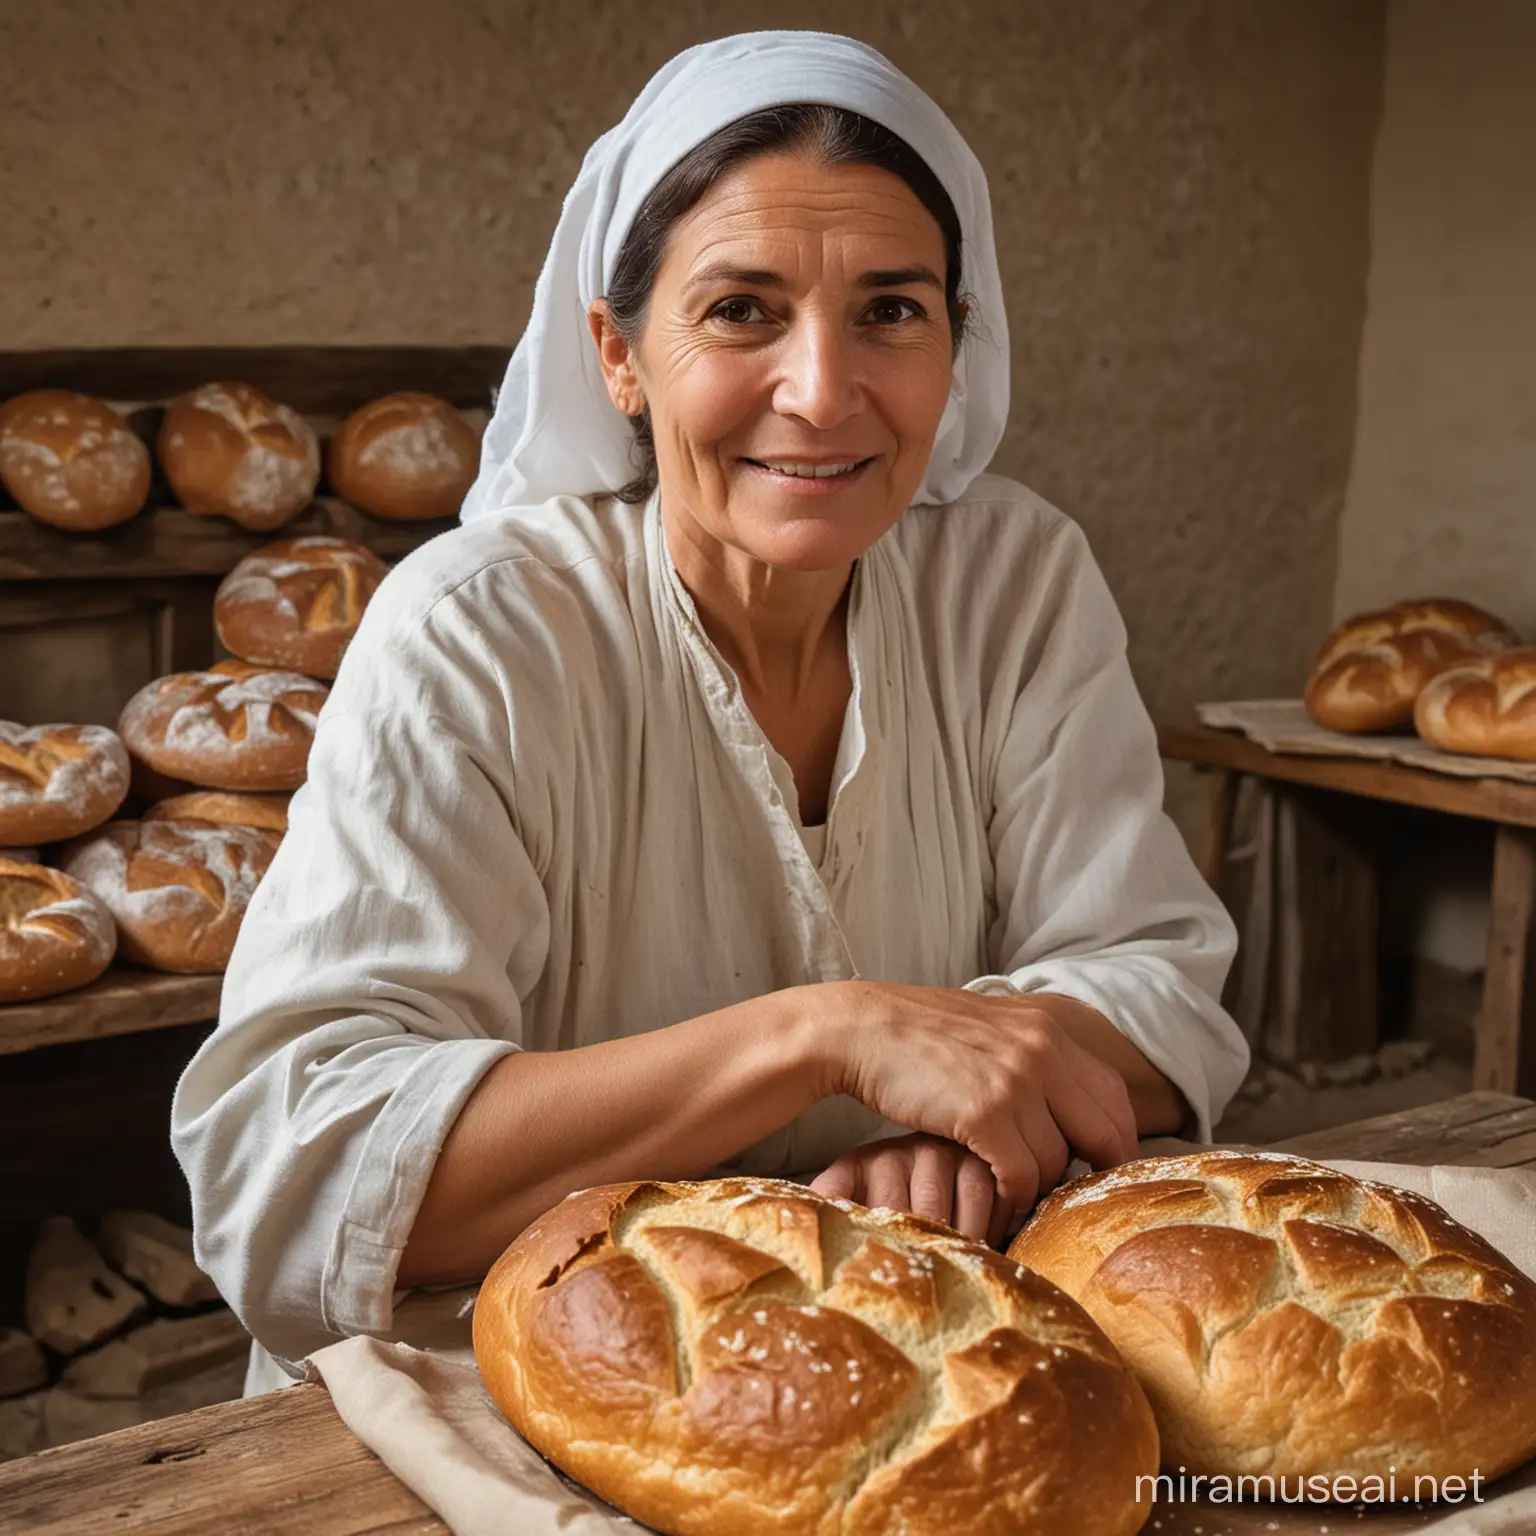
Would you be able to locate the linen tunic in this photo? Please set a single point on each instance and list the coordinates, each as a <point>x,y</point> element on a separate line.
<point>539,815</point>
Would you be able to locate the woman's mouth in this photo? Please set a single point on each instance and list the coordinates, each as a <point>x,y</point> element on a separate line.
<point>810,476</point>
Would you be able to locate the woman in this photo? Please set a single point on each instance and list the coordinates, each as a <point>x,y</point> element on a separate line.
<point>792,811</point>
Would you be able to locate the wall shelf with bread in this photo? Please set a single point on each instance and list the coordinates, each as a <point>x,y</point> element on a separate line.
<point>242,505</point>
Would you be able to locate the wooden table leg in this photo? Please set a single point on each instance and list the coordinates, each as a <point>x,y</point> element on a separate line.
<point>1218,829</point>
<point>1328,885</point>
<point>1504,1047</point>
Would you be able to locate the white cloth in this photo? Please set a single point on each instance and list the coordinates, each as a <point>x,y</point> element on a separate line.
<point>555,432</point>
<point>539,814</point>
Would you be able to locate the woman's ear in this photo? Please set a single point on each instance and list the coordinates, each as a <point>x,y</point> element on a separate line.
<point>617,359</point>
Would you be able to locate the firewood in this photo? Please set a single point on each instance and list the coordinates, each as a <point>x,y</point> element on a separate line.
<point>73,1299</point>
<point>169,1349</point>
<point>69,1415</point>
<point>21,1425</point>
<point>22,1365</point>
<point>158,1254</point>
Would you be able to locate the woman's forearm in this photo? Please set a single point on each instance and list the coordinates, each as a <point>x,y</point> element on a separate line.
<point>1160,1108</point>
<point>668,1104</point>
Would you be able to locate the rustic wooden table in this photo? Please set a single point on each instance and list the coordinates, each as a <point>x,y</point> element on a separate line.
<point>286,1463</point>
<point>1338,894</point>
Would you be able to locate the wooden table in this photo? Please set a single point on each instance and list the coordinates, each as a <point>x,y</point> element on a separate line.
<point>1338,906</point>
<point>286,1463</point>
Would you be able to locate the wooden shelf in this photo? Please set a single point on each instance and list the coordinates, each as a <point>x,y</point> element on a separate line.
<point>1498,800</point>
<point>321,380</point>
<point>124,1001</point>
<point>163,542</point>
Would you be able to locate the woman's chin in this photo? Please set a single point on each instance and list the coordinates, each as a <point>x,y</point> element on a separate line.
<point>811,534</point>
<point>808,543</point>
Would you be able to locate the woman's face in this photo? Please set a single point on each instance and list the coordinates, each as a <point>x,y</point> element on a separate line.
<point>797,323</point>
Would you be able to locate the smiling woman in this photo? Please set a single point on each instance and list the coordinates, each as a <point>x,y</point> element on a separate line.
<point>752,784</point>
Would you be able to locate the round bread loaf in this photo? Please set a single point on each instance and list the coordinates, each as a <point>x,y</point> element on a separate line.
<point>1372,667</point>
<point>744,1356</point>
<point>229,450</point>
<point>297,603</point>
<point>71,460</point>
<point>177,890</point>
<point>57,781</point>
<point>405,456</point>
<point>267,814</point>
<point>234,726</point>
<point>54,935</point>
<point>1486,707</point>
<point>1288,1319</point>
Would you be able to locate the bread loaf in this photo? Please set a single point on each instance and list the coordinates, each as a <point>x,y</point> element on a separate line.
<point>1372,667</point>
<point>1486,707</point>
<point>229,450</point>
<point>54,936</point>
<point>1287,1319</point>
<point>744,1356</point>
<point>177,890</point>
<point>72,461</point>
<point>234,726</point>
<point>267,814</point>
<point>297,603</point>
<point>406,456</point>
<point>57,781</point>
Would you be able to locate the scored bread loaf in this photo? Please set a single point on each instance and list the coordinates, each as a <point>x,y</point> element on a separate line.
<point>297,603</point>
<point>54,935</point>
<point>71,460</point>
<point>1288,1319</point>
<point>234,726</point>
<point>57,781</point>
<point>405,456</point>
<point>1486,707</point>
<point>744,1356</point>
<point>1373,666</point>
<point>229,450</point>
<point>226,808</point>
<point>177,890</point>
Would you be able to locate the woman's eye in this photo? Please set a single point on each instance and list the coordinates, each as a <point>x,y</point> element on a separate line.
<point>737,311</point>
<point>892,311</point>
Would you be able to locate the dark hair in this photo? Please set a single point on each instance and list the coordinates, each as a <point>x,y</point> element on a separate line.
<point>834,136</point>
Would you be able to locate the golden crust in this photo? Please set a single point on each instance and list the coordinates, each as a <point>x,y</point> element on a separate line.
<point>1486,707</point>
<point>233,726</point>
<point>71,460</point>
<point>1286,1319</point>
<point>57,781</point>
<point>54,934</point>
<point>744,1356</point>
<point>177,890</point>
<point>406,456</point>
<point>1373,666</point>
<point>227,808</point>
<point>297,603</point>
<point>229,450</point>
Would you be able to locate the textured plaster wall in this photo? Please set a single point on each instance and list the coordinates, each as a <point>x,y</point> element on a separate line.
<point>1442,496</point>
<point>1181,189</point>
<point>1442,493</point>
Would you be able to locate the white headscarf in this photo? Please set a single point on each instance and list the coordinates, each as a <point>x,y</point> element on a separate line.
<point>555,431</point>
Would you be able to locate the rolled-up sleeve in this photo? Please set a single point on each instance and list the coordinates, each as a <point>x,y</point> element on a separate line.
<point>1098,899</point>
<point>379,972</point>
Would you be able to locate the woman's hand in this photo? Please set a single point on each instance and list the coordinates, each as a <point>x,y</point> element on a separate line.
<point>926,1175</point>
<point>999,1075</point>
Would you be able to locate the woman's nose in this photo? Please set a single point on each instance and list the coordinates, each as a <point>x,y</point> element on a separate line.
<point>819,380</point>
